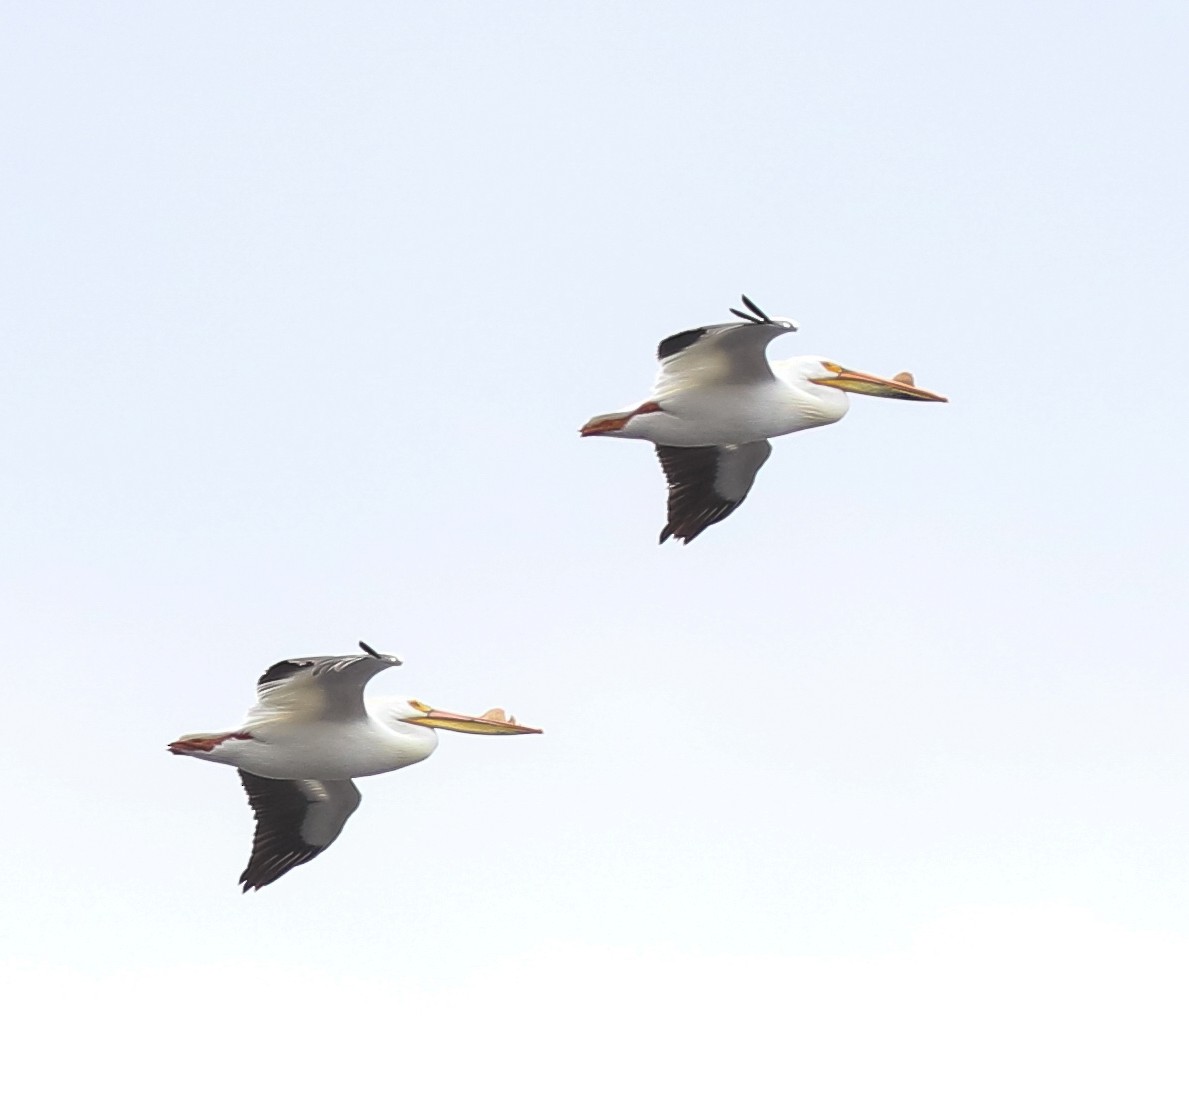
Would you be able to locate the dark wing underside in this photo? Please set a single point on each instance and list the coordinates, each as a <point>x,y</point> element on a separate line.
<point>288,813</point>
<point>707,484</point>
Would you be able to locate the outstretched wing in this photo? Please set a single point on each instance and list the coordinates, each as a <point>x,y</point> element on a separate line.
<point>707,483</point>
<point>295,821</point>
<point>316,688</point>
<point>732,353</point>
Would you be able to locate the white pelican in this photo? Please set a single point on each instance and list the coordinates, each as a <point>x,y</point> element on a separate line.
<point>716,403</point>
<point>309,735</point>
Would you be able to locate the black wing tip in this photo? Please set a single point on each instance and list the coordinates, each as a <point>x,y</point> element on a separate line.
<point>750,305</point>
<point>249,881</point>
<point>675,343</point>
<point>272,867</point>
<point>759,317</point>
<point>378,655</point>
<point>283,669</point>
<point>685,536</point>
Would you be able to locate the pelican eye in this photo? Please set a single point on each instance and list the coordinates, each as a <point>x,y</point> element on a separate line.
<point>830,367</point>
<point>425,708</point>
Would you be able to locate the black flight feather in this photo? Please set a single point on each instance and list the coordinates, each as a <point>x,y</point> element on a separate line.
<point>283,670</point>
<point>677,342</point>
<point>754,309</point>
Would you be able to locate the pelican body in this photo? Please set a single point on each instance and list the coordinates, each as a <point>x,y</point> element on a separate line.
<point>717,401</point>
<point>310,734</point>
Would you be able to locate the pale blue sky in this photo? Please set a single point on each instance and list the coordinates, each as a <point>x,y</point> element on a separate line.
<point>304,305</point>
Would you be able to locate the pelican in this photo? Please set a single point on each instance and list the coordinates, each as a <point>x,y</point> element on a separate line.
<point>310,734</point>
<point>716,403</point>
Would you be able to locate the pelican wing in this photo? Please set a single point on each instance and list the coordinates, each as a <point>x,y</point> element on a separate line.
<point>730,354</point>
<point>707,483</point>
<point>295,821</point>
<point>317,688</point>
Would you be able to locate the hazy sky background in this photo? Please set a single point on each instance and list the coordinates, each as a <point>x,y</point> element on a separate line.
<point>874,797</point>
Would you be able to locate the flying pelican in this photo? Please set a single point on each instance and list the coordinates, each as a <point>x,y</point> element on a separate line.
<point>716,403</point>
<point>309,735</point>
